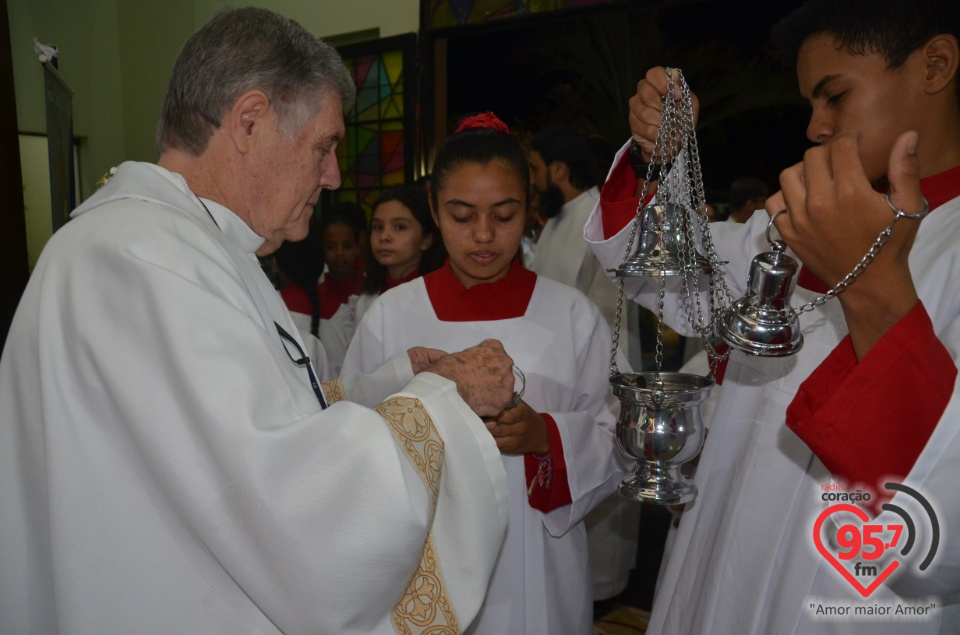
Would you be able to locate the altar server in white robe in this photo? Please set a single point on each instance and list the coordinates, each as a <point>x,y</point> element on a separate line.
<point>168,463</point>
<point>343,233</point>
<point>558,444</point>
<point>565,174</point>
<point>870,398</point>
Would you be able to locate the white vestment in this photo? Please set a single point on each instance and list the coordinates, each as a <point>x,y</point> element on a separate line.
<point>166,468</point>
<point>541,583</point>
<point>335,333</point>
<point>313,346</point>
<point>744,561</point>
<point>563,255</point>
<point>333,336</point>
<point>360,304</point>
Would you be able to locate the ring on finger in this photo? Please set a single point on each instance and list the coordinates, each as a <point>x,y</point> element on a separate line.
<point>517,394</point>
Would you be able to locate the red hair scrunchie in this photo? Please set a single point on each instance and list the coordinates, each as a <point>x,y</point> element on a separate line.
<point>486,120</point>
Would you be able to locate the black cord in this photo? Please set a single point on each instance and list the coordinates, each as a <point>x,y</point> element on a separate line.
<point>303,361</point>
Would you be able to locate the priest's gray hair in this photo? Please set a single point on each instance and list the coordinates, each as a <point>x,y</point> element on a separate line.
<point>241,50</point>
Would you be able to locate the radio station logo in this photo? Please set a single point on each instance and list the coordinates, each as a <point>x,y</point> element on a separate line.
<point>867,553</point>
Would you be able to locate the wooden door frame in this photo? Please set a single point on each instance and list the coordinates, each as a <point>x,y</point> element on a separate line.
<point>13,232</point>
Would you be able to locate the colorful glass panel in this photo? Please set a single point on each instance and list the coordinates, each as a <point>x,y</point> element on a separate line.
<point>377,149</point>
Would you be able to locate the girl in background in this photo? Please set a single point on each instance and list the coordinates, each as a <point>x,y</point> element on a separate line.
<point>558,443</point>
<point>343,235</point>
<point>405,243</point>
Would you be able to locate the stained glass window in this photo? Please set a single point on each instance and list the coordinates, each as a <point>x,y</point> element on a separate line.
<point>378,148</point>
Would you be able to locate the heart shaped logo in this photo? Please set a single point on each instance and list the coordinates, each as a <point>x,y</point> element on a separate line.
<point>865,591</point>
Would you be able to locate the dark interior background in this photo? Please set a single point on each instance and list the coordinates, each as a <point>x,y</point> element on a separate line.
<point>580,66</point>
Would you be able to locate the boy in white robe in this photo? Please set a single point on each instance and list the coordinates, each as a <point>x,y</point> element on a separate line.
<point>863,403</point>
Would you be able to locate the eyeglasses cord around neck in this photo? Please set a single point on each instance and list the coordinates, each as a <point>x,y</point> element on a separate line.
<point>304,360</point>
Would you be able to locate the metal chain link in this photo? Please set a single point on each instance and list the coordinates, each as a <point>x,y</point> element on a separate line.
<point>695,213</point>
<point>689,184</point>
<point>684,187</point>
<point>659,153</point>
<point>867,258</point>
<point>616,331</point>
<point>658,358</point>
<point>665,191</point>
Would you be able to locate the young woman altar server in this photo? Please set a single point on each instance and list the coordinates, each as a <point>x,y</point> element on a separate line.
<point>405,243</point>
<point>558,444</point>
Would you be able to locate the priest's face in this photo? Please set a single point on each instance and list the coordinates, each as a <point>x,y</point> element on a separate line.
<point>286,172</point>
<point>481,213</point>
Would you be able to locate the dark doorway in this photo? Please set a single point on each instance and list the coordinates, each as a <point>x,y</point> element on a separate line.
<point>581,66</point>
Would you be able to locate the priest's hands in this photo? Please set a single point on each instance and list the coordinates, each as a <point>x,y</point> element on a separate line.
<point>519,430</point>
<point>646,109</point>
<point>422,357</point>
<point>483,375</point>
<point>834,216</point>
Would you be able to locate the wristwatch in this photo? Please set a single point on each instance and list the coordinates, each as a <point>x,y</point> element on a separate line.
<point>641,167</point>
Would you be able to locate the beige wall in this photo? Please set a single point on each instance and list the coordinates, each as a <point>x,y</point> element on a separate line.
<point>117,54</point>
<point>90,63</point>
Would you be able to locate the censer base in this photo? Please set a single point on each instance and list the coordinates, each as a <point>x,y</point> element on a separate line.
<point>658,485</point>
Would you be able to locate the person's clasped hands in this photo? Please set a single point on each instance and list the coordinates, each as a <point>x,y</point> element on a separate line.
<point>519,430</point>
<point>483,374</point>
<point>485,380</point>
